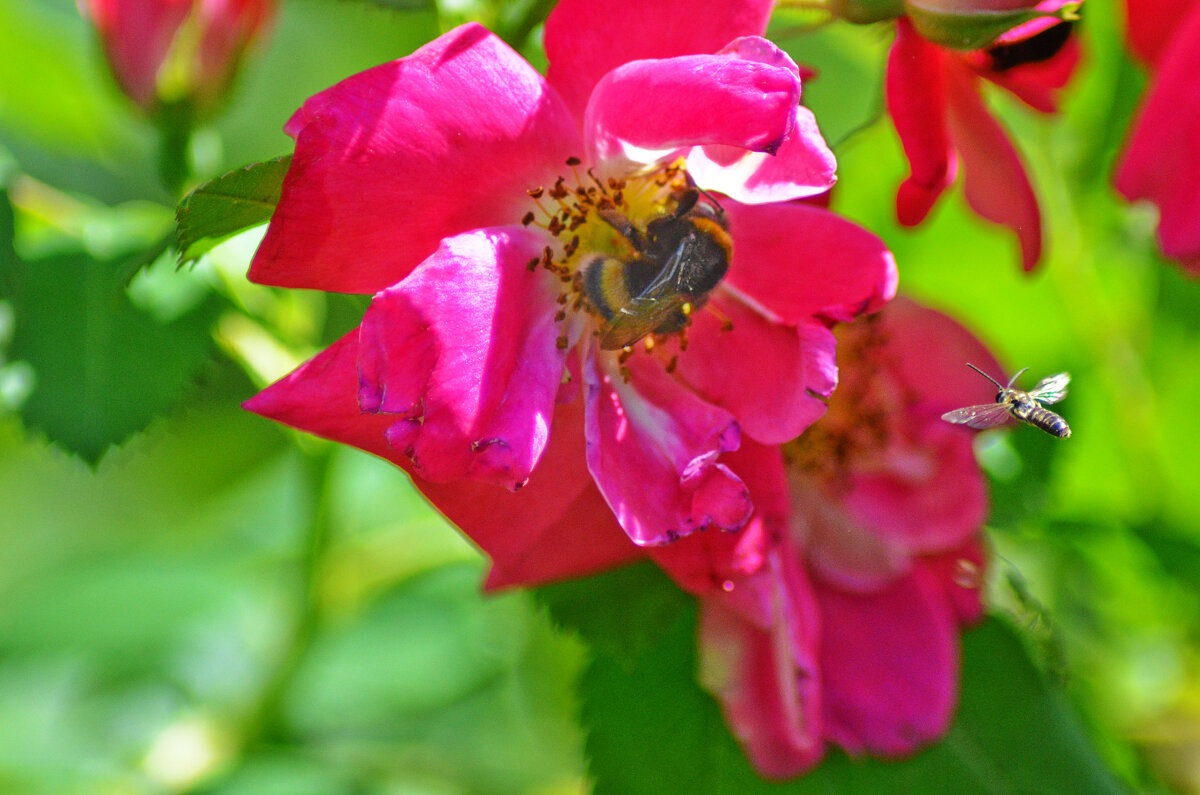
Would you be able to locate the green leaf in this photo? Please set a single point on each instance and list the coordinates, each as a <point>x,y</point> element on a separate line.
<point>228,204</point>
<point>973,30</point>
<point>620,612</point>
<point>102,369</point>
<point>652,729</point>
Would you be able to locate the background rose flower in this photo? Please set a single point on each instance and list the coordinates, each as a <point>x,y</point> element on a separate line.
<point>934,98</point>
<point>1162,156</point>
<point>172,51</point>
<point>849,633</point>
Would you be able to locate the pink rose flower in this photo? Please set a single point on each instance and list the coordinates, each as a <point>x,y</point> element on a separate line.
<point>849,632</point>
<point>177,50</point>
<point>494,213</point>
<point>1162,156</point>
<point>933,95</point>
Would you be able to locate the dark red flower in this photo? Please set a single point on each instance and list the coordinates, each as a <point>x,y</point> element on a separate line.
<point>934,95</point>
<point>1161,162</point>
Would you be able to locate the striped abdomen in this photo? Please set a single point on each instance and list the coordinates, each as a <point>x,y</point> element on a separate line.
<point>1042,418</point>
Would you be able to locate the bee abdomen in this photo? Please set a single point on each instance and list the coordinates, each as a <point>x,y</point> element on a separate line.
<point>1049,422</point>
<point>604,285</point>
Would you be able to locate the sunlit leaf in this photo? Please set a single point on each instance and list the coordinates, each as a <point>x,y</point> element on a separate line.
<point>231,203</point>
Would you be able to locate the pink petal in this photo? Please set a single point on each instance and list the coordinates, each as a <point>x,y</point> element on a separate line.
<point>137,36</point>
<point>463,353</point>
<point>583,42</point>
<point>1162,159</point>
<point>890,666</point>
<point>705,563</point>
<point>653,449</point>
<point>838,547</point>
<point>798,261</point>
<point>916,100</point>
<point>229,27</point>
<point>994,181</point>
<point>936,504</point>
<point>698,99</point>
<point>961,575</point>
<point>1151,25</point>
<point>802,167</point>
<point>766,677</point>
<point>390,161</point>
<point>321,397</point>
<point>768,390</point>
<point>928,352</point>
<point>556,527</point>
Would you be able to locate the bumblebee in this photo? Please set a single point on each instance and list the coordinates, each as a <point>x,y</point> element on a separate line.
<point>1018,404</point>
<point>677,260</point>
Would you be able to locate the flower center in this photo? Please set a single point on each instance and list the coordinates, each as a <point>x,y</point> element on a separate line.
<point>859,425</point>
<point>638,256</point>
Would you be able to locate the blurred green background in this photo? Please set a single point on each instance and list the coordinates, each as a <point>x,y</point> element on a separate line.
<point>193,599</point>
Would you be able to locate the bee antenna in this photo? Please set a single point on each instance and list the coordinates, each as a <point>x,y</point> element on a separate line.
<point>988,377</point>
<point>1015,377</point>
<point>712,199</point>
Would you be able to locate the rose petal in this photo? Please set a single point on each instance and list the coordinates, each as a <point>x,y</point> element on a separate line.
<point>709,562</point>
<point>994,178</point>
<point>890,666</point>
<point>937,501</point>
<point>916,100</point>
<point>960,574</point>
<point>697,99</point>
<point>390,161</point>
<point>555,527</point>
<point>760,370</point>
<point>583,45</point>
<point>464,354</point>
<point>1162,159</point>
<point>928,352</point>
<point>653,449</point>
<point>797,261</point>
<point>228,28</point>
<point>321,397</point>
<point>802,167</point>
<point>766,677</point>
<point>137,36</point>
<point>1151,25</point>
<point>842,550</point>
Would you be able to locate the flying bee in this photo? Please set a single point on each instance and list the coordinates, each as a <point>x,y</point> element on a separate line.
<point>1018,404</point>
<point>678,259</point>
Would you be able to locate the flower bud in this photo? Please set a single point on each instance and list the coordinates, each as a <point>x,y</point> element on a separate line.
<point>171,52</point>
<point>957,24</point>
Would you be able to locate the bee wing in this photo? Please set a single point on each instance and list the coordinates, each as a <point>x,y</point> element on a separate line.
<point>642,315</point>
<point>1050,390</point>
<point>987,415</point>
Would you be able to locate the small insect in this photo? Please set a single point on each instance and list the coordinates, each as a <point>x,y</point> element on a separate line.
<point>679,258</point>
<point>1018,404</point>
